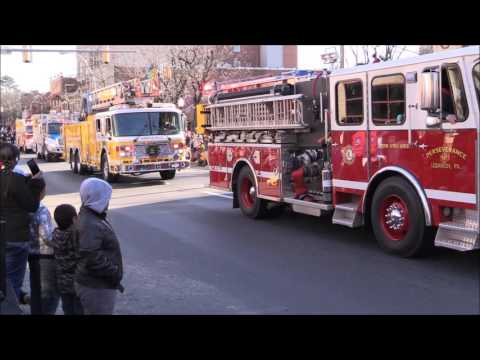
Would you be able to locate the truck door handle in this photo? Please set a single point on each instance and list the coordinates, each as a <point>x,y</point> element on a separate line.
<point>413,106</point>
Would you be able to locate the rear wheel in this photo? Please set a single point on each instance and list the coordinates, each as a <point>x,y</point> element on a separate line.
<point>398,220</point>
<point>167,174</point>
<point>250,204</point>
<point>76,163</point>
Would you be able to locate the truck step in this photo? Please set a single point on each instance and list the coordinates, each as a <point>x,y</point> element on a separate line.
<point>346,214</point>
<point>307,207</point>
<point>456,235</point>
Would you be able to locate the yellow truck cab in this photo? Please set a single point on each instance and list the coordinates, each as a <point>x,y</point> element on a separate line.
<point>129,138</point>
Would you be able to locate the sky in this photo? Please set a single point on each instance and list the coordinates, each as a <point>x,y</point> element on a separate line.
<point>44,66</point>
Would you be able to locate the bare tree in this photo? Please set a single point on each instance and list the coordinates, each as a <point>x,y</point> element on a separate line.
<point>9,99</point>
<point>365,54</point>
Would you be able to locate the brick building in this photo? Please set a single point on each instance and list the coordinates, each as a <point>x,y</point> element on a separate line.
<point>64,94</point>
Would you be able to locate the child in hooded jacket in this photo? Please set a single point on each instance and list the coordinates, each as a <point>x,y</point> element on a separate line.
<point>65,244</point>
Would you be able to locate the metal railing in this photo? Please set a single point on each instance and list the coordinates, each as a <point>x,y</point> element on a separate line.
<point>279,112</point>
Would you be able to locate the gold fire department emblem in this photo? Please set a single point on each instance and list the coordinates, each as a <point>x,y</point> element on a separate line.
<point>348,155</point>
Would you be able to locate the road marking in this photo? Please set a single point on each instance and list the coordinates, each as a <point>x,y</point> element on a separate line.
<point>219,195</point>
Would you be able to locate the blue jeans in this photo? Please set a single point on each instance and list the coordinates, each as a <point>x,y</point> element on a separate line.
<point>10,306</point>
<point>16,263</point>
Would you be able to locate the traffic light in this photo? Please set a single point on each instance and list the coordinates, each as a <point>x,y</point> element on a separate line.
<point>106,55</point>
<point>201,119</point>
<point>27,54</point>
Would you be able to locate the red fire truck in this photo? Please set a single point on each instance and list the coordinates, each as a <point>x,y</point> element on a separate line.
<point>392,145</point>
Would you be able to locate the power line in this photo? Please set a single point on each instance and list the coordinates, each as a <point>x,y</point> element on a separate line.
<point>7,51</point>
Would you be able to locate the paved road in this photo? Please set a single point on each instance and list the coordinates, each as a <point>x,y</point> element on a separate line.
<point>187,251</point>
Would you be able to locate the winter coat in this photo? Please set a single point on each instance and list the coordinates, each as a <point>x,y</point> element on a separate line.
<point>41,229</point>
<point>65,244</point>
<point>16,202</point>
<point>100,259</point>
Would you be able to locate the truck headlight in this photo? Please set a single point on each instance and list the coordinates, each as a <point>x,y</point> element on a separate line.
<point>124,151</point>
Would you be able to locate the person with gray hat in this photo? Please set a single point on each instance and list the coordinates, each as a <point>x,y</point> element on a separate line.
<point>100,268</point>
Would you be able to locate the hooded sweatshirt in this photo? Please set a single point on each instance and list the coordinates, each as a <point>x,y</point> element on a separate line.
<point>95,194</point>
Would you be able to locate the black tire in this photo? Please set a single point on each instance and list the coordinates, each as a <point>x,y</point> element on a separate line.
<point>167,174</point>
<point>76,163</point>
<point>82,170</point>
<point>250,204</point>
<point>398,219</point>
<point>106,174</point>
<point>70,160</point>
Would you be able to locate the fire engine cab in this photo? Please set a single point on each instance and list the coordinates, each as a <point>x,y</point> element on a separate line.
<point>122,130</point>
<point>392,145</point>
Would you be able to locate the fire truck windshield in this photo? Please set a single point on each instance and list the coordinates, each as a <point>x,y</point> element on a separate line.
<point>54,128</point>
<point>29,129</point>
<point>146,123</point>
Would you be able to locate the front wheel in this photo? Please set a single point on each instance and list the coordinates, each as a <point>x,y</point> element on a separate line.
<point>251,205</point>
<point>45,155</point>
<point>106,174</point>
<point>398,220</point>
<point>167,174</point>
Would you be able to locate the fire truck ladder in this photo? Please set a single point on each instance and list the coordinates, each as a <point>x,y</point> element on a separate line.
<point>274,112</point>
<point>122,93</point>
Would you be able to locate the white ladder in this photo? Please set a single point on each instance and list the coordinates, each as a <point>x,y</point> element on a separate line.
<point>276,112</point>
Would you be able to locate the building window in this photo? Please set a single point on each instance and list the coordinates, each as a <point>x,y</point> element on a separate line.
<point>236,48</point>
<point>388,100</point>
<point>349,96</point>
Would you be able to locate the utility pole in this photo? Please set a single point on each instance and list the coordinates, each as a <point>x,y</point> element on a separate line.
<point>342,56</point>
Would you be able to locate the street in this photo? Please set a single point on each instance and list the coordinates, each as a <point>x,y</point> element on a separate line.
<point>186,251</point>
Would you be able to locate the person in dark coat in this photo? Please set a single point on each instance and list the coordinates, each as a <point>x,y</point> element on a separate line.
<point>16,203</point>
<point>100,267</point>
<point>65,244</point>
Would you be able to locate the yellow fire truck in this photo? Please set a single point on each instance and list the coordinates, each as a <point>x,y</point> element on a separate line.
<point>122,130</point>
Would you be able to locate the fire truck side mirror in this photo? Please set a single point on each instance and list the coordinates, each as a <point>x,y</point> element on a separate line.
<point>430,91</point>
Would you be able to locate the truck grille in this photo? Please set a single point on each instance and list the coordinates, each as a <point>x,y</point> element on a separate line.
<point>148,150</point>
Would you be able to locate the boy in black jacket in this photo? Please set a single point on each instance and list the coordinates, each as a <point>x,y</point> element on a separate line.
<point>65,244</point>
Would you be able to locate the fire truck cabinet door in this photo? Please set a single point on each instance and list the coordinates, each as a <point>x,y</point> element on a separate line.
<point>350,156</point>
